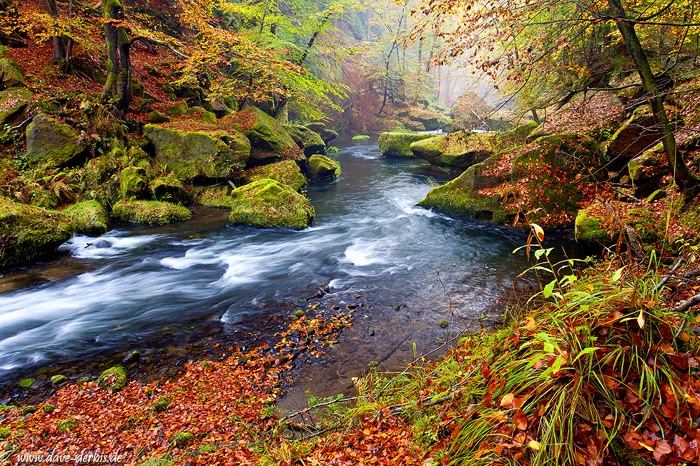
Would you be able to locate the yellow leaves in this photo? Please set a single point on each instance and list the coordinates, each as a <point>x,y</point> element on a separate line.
<point>534,444</point>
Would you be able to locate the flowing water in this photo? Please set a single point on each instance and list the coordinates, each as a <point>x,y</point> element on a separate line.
<point>411,268</point>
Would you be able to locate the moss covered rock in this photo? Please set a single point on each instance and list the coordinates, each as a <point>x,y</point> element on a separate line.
<point>647,168</point>
<point>113,379</point>
<point>396,144</point>
<point>133,183</point>
<point>156,117</point>
<point>286,172</point>
<point>150,212</point>
<point>603,223</point>
<point>211,153</point>
<point>215,196</point>
<point>538,178</point>
<point>169,188</point>
<point>51,142</point>
<point>458,150</point>
<point>176,110</point>
<point>323,168</point>
<point>28,234</point>
<point>420,119</point>
<point>270,141</point>
<point>268,203</point>
<point>13,102</point>
<point>309,141</point>
<point>10,74</point>
<point>326,134</point>
<point>634,137</point>
<point>589,226</point>
<point>88,217</point>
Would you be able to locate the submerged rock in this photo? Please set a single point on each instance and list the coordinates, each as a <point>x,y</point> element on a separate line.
<point>28,234</point>
<point>268,203</point>
<point>323,168</point>
<point>51,142</point>
<point>212,153</point>
<point>396,144</point>
<point>150,212</point>
<point>88,218</point>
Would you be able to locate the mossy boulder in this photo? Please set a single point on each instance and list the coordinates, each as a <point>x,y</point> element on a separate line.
<point>150,212</point>
<point>113,379</point>
<point>397,144</point>
<point>102,179</point>
<point>634,137</point>
<point>88,217</point>
<point>326,134</point>
<point>601,223</point>
<point>647,168</point>
<point>538,178</point>
<point>181,439</point>
<point>269,140</point>
<point>458,150</point>
<point>10,74</point>
<point>13,102</point>
<point>268,203</point>
<point>133,183</point>
<point>323,168</point>
<point>212,153</point>
<point>156,117</point>
<point>176,110</point>
<point>286,172</point>
<point>589,226</point>
<point>169,188</point>
<point>309,141</point>
<point>30,233</point>
<point>215,196</point>
<point>51,143</point>
<point>420,119</point>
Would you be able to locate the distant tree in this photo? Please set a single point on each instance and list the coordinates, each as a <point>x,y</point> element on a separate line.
<point>547,51</point>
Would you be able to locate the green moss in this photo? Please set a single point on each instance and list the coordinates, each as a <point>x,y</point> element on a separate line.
<point>268,203</point>
<point>29,409</point>
<point>150,212</point>
<point>156,117</point>
<point>5,433</point>
<point>12,104</point>
<point>67,424</point>
<point>299,313</point>
<point>88,218</point>
<point>50,142</point>
<point>308,140</point>
<point>26,383</point>
<point>58,379</point>
<point>360,137</point>
<point>48,408</point>
<point>588,229</point>
<point>443,323</point>
<point>267,136</point>
<point>169,188</point>
<point>286,172</point>
<point>133,183</point>
<point>453,200</point>
<point>397,144</point>
<point>215,196</point>
<point>323,168</point>
<point>458,150</point>
<point>176,110</point>
<point>113,379</point>
<point>209,153</point>
<point>646,224</point>
<point>161,405</point>
<point>181,439</point>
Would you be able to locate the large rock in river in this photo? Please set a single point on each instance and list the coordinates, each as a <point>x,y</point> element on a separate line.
<point>309,141</point>
<point>286,172</point>
<point>212,153</point>
<point>326,134</point>
<point>51,142</point>
<point>397,144</point>
<point>268,203</point>
<point>28,234</point>
<point>323,168</point>
<point>150,212</point>
<point>88,217</point>
<point>270,141</point>
<point>540,179</point>
<point>456,150</point>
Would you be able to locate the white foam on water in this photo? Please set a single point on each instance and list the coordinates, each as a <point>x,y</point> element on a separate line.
<point>85,246</point>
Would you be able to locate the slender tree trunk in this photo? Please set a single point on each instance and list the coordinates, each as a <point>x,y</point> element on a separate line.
<point>117,90</point>
<point>62,46</point>
<point>683,177</point>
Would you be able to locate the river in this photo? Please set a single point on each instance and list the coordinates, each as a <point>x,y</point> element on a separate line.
<point>411,267</point>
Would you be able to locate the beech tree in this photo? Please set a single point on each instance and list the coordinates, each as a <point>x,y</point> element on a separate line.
<point>117,90</point>
<point>547,51</point>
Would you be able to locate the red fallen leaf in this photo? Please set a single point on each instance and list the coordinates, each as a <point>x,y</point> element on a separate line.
<point>679,360</point>
<point>520,420</point>
<point>482,449</point>
<point>661,450</point>
<point>633,440</point>
<point>681,448</point>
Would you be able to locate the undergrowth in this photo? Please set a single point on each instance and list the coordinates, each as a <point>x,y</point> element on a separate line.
<point>603,370</point>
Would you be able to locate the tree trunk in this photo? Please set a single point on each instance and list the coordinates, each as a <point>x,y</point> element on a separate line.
<point>117,90</point>
<point>684,178</point>
<point>62,46</point>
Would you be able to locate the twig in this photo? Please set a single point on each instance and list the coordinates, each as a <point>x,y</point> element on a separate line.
<point>627,195</point>
<point>683,306</point>
<point>326,403</point>
<point>669,274</point>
